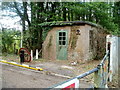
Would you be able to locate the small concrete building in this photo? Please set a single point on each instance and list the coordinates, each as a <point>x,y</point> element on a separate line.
<point>73,40</point>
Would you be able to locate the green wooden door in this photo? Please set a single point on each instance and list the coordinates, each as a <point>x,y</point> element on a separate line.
<point>62,45</point>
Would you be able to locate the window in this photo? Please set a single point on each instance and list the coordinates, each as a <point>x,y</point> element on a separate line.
<point>62,38</point>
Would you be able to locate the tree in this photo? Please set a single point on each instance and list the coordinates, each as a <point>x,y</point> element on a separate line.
<point>116,15</point>
<point>20,8</point>
<point>8,39</point>
<point>96,12</point>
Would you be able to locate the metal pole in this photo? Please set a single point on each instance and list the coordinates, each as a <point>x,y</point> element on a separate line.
<point>104,58</point>
<point>97,75</point>
<point>87,73</point>
<point>78,77</point>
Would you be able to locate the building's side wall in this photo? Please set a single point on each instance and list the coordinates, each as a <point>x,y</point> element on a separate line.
<point>97,43</point>
<point>92,42</point>
<point>101,48</point>
<point>49,45</point>
<point>91,45</point>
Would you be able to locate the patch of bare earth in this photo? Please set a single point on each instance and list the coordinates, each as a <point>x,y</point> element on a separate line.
<point>114,83</point>
<point>79,67</point>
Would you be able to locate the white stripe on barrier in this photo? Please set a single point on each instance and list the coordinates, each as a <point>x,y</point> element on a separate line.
<point>74,83</point>
<point>3,60</point>
<point>22,65</point>
<point>38,67</point>
<point>25,65</point>
<point>13,62</point>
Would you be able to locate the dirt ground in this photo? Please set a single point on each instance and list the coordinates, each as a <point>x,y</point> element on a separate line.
<point>65,67</point>
<point>16,77</point>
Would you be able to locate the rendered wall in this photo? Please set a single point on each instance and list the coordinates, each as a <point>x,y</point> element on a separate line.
<point>49,45</point>
<point>78,45</point>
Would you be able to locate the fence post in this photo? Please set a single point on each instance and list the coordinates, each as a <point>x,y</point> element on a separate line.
<point>31,55</point>
<point>101,76</point>
<point>97,78</point>
<point>36,53</point>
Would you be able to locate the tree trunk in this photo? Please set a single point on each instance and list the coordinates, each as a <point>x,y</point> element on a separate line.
<point>26,14</point>
<point>36,18</point>
<point>20,15</point>
<point>72,15</point>
<point>68,15</point>
<point>64,12</point>
<point>40,20</point>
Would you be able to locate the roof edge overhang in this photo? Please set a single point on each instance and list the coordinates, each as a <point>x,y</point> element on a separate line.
<point>67,23</point>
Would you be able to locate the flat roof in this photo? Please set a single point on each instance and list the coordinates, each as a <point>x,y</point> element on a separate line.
<point>67,23</point>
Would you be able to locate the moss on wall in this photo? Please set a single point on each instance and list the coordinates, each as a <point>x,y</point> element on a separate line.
<point>73,37</point>
<point>101,43</point>
<point>73,41</point>
<point>98,43</point>
<point>45,32</point>
<point>50,42</point>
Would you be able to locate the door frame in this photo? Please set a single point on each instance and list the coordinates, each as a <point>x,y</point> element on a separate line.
<point>57,42</point>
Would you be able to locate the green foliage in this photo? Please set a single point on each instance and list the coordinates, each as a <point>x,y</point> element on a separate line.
<point>49,13</point>
<point>96,12</point>
<point>54,23</point>
<point>9,37</point>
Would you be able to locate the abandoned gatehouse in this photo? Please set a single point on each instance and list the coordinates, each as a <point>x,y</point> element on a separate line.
<point>74,40</point>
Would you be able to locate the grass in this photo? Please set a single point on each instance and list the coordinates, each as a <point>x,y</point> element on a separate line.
<point>10,57</point>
